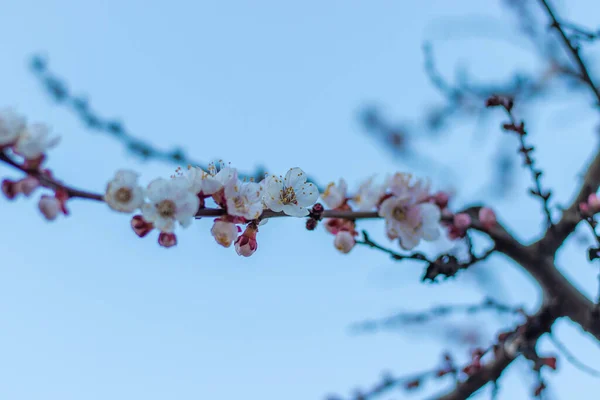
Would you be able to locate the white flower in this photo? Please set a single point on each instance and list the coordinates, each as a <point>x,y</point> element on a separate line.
<point>369,194</point>
<point>403,185</point>
<point>170,201</point>
<point>344,241</point>
<point>123,193</point>
<point>208,182</point>
<point>410,222</point>
<point>244,199</point>
<point>224,232</point>
<point>335,195</point>
<point>34,141</point>
<point>291,195</point>
<point>11,126</point>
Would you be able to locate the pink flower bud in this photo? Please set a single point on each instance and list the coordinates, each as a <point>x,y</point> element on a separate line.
<point>140,226</point>
<point>462,221</point>
<point>344,241</point>
<point>333,225</point>
<point>224,232</point>
<point>441,199</point>
<point>10,189</point>
<point>594,203</point>
<point>49,206</point>
<point>28,185</point>
<point>246,244</point>
<point>583,207</point>
<point>167,239</point>
<point>487,217</point>
<point>455,233</point>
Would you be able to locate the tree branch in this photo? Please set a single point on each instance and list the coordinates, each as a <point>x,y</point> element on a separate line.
<point>554,238</point>
<point>540,265</point>
<point>528,334</point>
<point>47,181</point>
<point>489,373</point>
<point>80,106</point>
<point>571,302</point>
<point>422,317</point>
<point>573,50</point>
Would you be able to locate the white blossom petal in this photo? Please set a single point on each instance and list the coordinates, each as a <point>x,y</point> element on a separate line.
<point>123,193</point>
<point>11,126</point>
<point>294,210</point>
<point>158,190</point>
<point>166,225</point>
<point>294,178</point>
<point>170,202</point>
<point>431,216</point>
<point>307,195</point>
<point>34,141</point>
<point>408,239</point>
<point>244,199</point>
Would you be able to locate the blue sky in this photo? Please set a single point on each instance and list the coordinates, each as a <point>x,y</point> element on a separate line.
<point>89,311</point>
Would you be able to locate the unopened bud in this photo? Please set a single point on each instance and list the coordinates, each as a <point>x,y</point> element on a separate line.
<point>167,239</point>
<point>344,241</point>
<point>49,207</point>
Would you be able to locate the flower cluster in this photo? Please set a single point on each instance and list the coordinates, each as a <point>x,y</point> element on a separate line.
<point>164,203</point>
<point>29,143</point>
<point>410,210</point>
<point>406,204</point>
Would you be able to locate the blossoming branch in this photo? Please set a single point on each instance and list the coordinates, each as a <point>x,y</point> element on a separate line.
<point>411,212</point>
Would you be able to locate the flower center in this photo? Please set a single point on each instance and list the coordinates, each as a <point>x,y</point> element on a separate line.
<point>166,208</point>
<point>223,239</point>
<point>238,202</point>
<point>399,214</point>
<point>123,195</point>
<point>288,196</point>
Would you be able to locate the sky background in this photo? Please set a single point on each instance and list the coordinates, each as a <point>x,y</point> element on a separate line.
<point>90,311</point>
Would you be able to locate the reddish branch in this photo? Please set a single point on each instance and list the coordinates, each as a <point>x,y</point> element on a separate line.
<point>525,150</point>
<point>47,181</point>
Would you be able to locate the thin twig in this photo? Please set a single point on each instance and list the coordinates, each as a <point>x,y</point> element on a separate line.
<point>571,358</point>
<point>59,91</point>
<point>581,33</point>
<point>519,129</point>
<point>366,241</point>
<point>50,183</point>
<point>574,50</point>
<point>422,317</point>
